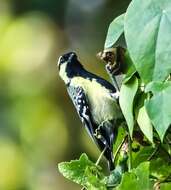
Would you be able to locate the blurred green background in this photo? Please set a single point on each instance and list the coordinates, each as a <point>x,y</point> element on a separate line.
<point>38,125</point>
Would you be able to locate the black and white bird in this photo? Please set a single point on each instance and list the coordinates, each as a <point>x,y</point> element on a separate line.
<point>96,102</point>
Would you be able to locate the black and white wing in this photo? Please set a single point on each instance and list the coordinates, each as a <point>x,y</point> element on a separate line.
<point>81,104</point>
<point>101,135</point>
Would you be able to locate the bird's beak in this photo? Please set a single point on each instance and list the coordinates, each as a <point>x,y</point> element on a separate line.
<point>59,62</point>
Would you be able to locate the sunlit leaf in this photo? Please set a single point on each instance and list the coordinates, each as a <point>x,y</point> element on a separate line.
<point>83,172</point>
<point>115,30</point>
<point>137,179</point>
<point>147,32</point>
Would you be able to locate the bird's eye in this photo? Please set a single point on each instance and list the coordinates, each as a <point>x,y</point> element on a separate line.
<point>62,60</point>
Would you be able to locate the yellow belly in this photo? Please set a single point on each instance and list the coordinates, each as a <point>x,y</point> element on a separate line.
<point>103,106</point>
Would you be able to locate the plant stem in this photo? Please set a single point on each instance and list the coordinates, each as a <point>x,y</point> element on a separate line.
<point>130,153</point>
<point>153,153</point>
<point>119,148</point>
<point>100,157</point>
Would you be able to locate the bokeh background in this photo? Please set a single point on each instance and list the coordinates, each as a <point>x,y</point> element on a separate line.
<point>38,125</point>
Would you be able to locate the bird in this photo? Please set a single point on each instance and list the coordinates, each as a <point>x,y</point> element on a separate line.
<point>96,102</point>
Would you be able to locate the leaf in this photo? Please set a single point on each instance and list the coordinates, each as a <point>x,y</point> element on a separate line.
<point>129,70</point>
<point>94,179</point>
<point>121,134</point>
<point>159,106</point>
<point>145,124</point>
<point>126,100</point>
<point>115,30</point>
<point>137,179</point>
<point>147,32</point>
<point>157,87</point>
<point>160,169</point>
<point>83,172</point>
<point>143,155</point>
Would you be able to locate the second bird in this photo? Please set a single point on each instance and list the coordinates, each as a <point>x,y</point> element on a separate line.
<point>96,102</point>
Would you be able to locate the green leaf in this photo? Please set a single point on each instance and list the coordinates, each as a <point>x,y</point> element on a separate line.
<point>126,100</point>
<point>115,30</point>
<point>83,172</point>
<point>75,169</point>
<point>159,106</point>
<point>157,87</point>
<point>129,70</point>
<point>143,155</point>
<point>147,32</point>
<point>160,169</point>
<point>94,179</point>
<point>137,179</point>
<point>121,134</point>
<point>145,123</point>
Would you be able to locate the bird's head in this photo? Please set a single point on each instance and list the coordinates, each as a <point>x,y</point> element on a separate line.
<point>68,66</point>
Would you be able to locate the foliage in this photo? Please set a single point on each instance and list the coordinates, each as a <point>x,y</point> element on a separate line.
<point>145,100</point>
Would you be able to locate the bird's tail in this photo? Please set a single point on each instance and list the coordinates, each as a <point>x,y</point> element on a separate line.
<point>107,138</point>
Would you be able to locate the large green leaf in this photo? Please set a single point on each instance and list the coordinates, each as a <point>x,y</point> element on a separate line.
<point>159,106</point>
<point>148,35</point>
<point>126,100</point>
<point>137,179</point>
<point>83,172</point>
<point>115,30</point>
<point>145,123</point>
